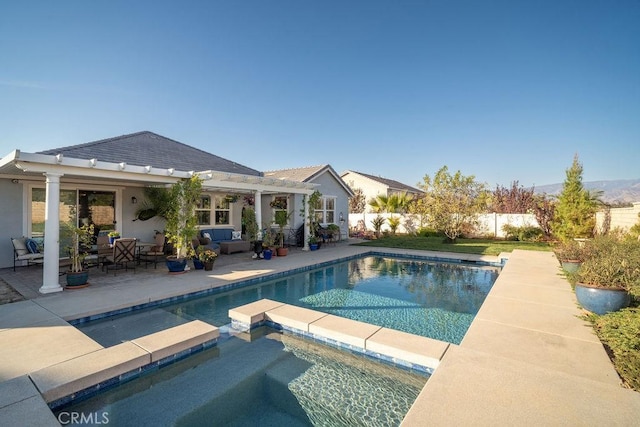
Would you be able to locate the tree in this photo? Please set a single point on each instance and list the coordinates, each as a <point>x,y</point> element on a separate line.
<point>358,202</point>
<point>182,221</point>
<point>453,202</point>
<point>576,207</point>
<point>544,211</point>
<point>514,200</point>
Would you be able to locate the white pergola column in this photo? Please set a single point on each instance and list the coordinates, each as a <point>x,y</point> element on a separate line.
<point>51,265</point>
<point>305,202</point>
<point>258,204</point>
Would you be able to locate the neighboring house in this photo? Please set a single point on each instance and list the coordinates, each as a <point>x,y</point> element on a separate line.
<point>333,207</point>
<point>103,182</point>
<point>373,186</point>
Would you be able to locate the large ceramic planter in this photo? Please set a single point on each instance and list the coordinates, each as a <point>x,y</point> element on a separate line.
<point>77,280</point>
<point>282,251</point>
<point>570,266</point>
<point>267,253</point>
<point>601,300</point>
<point>313,246</point>
<point>197,264</point>
<point>176,265</point>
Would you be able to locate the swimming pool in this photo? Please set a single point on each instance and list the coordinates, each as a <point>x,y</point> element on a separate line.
<point>277,379</point>
<point>433,299</point>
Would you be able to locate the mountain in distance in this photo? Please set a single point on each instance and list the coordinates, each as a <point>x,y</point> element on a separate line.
<point>622,191</point>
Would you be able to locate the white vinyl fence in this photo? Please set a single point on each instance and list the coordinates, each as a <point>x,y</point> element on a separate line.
<point>489,224</point>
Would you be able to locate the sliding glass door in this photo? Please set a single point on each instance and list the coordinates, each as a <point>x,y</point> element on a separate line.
<point>77,207</point>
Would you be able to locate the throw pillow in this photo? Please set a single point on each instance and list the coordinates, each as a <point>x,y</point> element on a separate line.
<point>236,235</point>
<point>32,246</point>
<point>206,236</point>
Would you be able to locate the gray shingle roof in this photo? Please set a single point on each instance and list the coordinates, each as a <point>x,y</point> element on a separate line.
<point>150,149</point>
<point>297,174</point>
<point>389,183</point>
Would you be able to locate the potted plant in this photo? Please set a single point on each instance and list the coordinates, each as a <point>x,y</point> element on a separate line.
<point>267,244</point>
<point>113,235</point>
<point>81,240</point>
<point>250,226</point>
<point>181,225</point>
<point>571,253</point>
<point>313,243</point>
<point>207,257</point>
<point>605,278</point>
<point>282,219</point>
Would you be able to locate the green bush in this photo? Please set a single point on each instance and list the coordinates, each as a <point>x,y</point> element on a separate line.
<point>620,332</point>
<point>523,234</point>
<point>429,232</point>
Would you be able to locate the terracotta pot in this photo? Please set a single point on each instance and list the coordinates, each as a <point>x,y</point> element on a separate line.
<point>282,251</point>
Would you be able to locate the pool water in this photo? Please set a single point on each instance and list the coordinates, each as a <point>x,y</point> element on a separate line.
<point>432,299</point>
<point>275,380</point>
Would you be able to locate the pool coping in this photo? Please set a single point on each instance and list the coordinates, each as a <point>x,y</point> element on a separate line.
<point>394,347</point>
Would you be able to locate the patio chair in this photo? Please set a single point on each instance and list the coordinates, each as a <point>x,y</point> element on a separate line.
<point>124,252</point>
<point>155,253</point>
<point>26,250</point>
<point>102,250</point>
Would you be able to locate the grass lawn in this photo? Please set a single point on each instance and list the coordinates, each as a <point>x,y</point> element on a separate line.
<point>468,246</point>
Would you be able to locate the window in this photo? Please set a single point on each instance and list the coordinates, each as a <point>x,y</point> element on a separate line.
<point>222,211</point>
<point>218,213</point>
<point>326,210</point>
<point>203,210</point>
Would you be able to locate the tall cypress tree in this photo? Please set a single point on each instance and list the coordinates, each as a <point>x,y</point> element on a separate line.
<point>576,207</point>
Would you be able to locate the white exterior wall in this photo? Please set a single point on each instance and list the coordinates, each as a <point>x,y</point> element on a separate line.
<point>329,187</point>
<point>11,219</point>
<point>490,224</point>
<point>623,218</point>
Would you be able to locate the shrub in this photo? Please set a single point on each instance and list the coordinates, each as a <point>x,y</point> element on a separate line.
<point>523,234</point>
<point>571,250</point>
<point>620,332</point>
<point>429,232</point>
<point>611,262</point>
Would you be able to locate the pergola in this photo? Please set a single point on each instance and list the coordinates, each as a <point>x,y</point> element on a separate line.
<point>55,168</point>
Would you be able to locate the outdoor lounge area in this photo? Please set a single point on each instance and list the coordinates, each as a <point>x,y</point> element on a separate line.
<point>515,366</point>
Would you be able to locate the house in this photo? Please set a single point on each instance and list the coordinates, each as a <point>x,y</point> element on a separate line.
<point>373,186</point>
<point>103,182</point>
<point>333,207</point>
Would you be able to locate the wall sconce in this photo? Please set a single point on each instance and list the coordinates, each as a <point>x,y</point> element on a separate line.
<point>341,219</point>
<point>134,200</point>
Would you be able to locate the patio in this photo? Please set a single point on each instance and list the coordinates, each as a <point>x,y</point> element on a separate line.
<point>528,359</point>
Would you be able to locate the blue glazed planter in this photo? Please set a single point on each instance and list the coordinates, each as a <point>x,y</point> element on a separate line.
<point>267,254</point>
<point>176,265</point>
<point>601,300</point>
<point>197,264</point>
<point>313,246</point>
<point>77,280</point>
<point>570,266</point>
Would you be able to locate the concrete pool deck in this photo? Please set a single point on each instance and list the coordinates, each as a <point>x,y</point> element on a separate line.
<point>528,359</point>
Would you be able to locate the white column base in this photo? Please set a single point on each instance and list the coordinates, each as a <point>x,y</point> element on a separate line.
<point>50,289</point>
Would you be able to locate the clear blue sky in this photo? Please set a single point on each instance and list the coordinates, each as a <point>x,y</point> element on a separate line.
<point>503,90</point>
